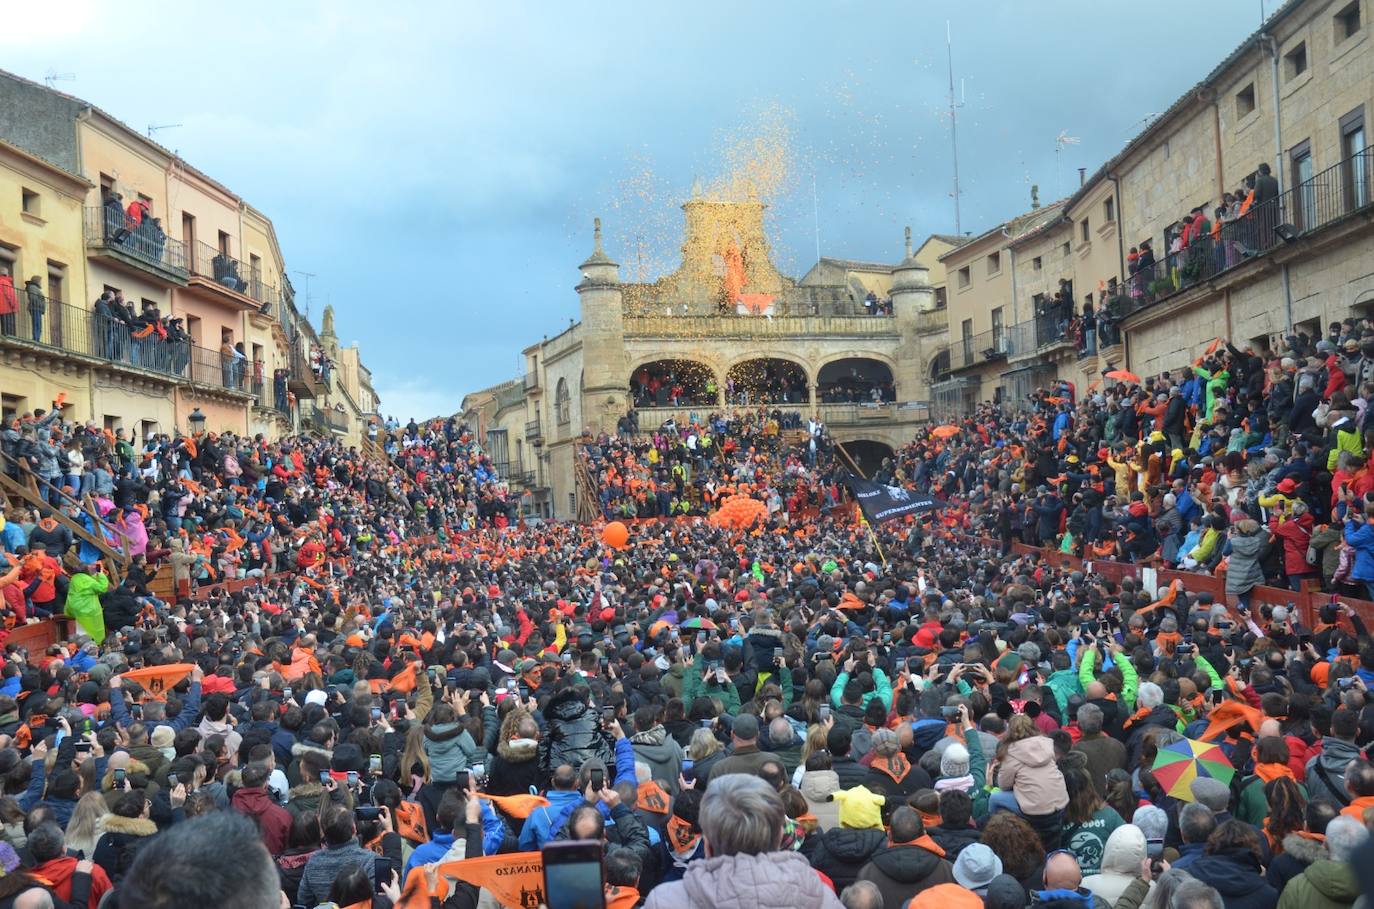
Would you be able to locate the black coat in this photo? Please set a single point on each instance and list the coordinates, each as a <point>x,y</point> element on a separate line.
<point>514,770</point>
<point>1236,876</point>
<point>901,872</point>
<point>954,840</point>
<point>850,771</point>
<point>575,734</point>
<point>841,853</point>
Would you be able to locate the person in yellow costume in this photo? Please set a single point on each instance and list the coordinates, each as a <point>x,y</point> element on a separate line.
<point>83,600</point>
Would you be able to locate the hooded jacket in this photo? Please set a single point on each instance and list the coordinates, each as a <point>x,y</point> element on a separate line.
<point>1030,772</point>
<point>449,748</point>
<point>574,733</point>
<point>1324,885</point>
<point>901,872</point>
<point>1235,875</point>
<point>1121,859</point>
<point>514,768</point>
<point>1335,756</point>
<point>772,880</point>
<point>119,844</point>
<point>1243,568</point>
<point>1298,853</point>
<point>817,786</point>
<point>841,852</point>
<point>546,821</point>
<point>662,753</point>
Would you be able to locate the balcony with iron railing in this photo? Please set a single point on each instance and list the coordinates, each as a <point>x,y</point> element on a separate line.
<point>53,325</point>
<point>110,236</point>
<point>534,429</point>
<point>1342,190</point>
<point>213,268</point>
<point>983,347</point>
<point>531,382</point>
<point>305,381</point>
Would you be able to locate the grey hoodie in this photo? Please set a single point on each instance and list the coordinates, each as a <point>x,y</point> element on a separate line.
<point>662,753</point>
<point>1335,757</point>
<point>773,880</point>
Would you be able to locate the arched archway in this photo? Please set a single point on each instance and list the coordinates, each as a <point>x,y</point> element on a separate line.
<point>855,380</point>
<point>766,380</point>
<point>673,383</point>
<point>562,402</point>
<point>868,455</point>
<point>938,370</point>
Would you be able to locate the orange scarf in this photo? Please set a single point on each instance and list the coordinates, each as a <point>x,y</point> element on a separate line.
<point>682,838</point>
<point>1270,772</point>
<point>926,843</point>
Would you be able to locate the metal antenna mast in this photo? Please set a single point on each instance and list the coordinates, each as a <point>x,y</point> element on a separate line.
<point>953,126</point>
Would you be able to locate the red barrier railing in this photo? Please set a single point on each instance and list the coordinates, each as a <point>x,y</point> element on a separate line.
<point>1306,602</point>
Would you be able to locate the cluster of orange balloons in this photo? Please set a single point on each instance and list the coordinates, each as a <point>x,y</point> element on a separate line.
<point>740,512</point>
<point>615,535</point>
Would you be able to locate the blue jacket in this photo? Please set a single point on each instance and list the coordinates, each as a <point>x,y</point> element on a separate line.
<point>1061,424</point>
<point>1361,537</point>
<point>543,823</point>
<point>493,832</point>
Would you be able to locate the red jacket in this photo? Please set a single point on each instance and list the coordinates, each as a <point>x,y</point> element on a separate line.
<point>274,821</point>
<point>58,873</point>
<point>9,302</point>
<point>1296,533</point>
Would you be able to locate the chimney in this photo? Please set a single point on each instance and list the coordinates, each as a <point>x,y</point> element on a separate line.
<point>1082,176</point>
<point>1035,196</point>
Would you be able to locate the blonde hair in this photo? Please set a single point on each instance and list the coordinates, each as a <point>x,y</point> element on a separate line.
<point>704,744</point>
<point>815,741</point>
<point>87,823</point>
<point>414,753</point>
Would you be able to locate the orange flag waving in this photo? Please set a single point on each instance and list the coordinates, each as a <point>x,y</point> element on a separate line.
<point>1228,714</point>
<point>158,680</point>
<point>518,805</point>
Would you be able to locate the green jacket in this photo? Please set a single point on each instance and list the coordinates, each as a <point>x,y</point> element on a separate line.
<point>1130,679</point>
<point>1324,885</point>
<point>882,689</point>
<point>1253,807</point>
<point>1345,441</point>
<point>83,603</point>
<point>693,687</point>
<point>978,769</point>
<point>1065,684</point>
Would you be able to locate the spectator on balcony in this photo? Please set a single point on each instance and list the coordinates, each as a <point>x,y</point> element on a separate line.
<point>1088,328</point>
<point>240,365</point>
<point>113,208</point>
<point>279,379</point>
<point>9,302</point>
<point>38,305</point>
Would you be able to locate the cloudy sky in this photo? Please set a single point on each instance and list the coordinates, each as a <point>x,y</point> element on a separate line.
<point>437,165</point>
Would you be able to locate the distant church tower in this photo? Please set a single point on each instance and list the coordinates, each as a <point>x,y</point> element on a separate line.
<point>328,340</point>
<point>605,379</point>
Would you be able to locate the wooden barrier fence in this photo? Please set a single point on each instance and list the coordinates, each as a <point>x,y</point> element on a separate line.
<point>1306,602</point>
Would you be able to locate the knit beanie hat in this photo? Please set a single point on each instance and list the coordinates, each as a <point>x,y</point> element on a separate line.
<point>954,762</point>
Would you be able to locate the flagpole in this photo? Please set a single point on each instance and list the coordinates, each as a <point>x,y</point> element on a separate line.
<point>839,446</point>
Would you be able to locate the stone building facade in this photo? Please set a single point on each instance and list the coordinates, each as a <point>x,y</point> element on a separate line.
<point>858,341</point>
<point>1293,96</point>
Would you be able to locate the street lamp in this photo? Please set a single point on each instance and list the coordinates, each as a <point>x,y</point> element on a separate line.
<point>197,421</point>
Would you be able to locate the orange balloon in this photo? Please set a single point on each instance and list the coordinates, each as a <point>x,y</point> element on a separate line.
<point>615,535</point>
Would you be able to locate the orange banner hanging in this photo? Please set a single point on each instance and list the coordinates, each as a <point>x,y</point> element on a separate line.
<point>516,880</point>
<point>158,680</point>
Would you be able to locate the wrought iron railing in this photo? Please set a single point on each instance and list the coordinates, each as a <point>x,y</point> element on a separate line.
<point>108,227</point>
<point>980,348</point>
<point>1337,192</point>
<point>534,429</point>
<point>219,267</point>
<point>61,326</point>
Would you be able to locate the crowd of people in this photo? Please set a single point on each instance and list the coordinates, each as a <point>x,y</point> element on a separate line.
<point>809,711</point>
<point>688,468</point>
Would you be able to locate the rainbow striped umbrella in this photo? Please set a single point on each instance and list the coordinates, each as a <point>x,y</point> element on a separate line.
<point>1181,762</point>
